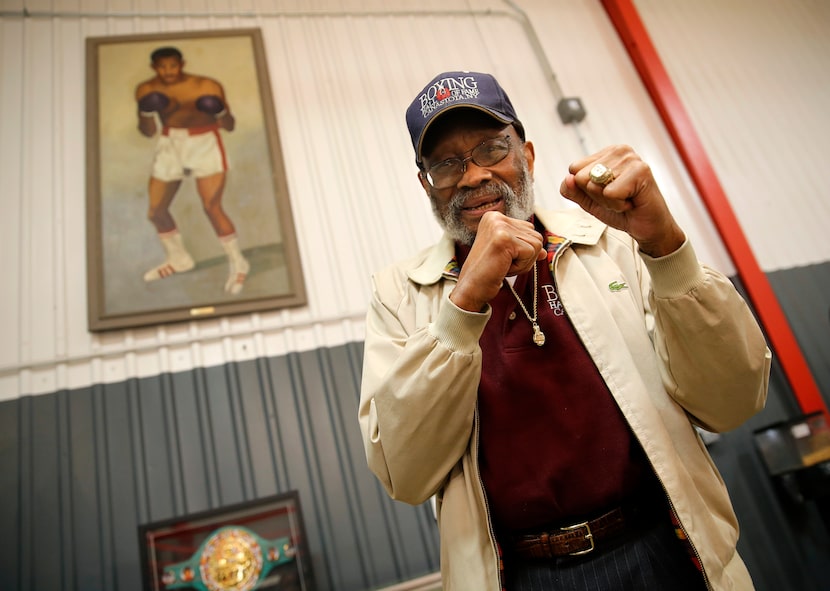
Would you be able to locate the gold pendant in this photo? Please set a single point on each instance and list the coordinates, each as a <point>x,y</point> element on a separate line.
<point>538,335</point>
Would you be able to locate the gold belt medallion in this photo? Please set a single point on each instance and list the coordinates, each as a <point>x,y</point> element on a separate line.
<point>231,561</point>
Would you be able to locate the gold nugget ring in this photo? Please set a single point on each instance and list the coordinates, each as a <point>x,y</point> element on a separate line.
<point>601,175</point>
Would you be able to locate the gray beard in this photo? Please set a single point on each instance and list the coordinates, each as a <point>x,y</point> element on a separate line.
<point>517,204</point>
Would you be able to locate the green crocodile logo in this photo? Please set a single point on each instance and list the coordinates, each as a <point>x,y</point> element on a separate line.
<point>617,286</point>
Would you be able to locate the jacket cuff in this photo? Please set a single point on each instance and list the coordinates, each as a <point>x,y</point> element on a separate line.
<point>675,274</point>
<point>458,329</point>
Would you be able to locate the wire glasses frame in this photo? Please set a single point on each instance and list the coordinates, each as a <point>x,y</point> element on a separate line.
<point>447,173</point>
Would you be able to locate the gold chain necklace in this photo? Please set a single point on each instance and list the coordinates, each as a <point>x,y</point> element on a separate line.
<point>538,335</point>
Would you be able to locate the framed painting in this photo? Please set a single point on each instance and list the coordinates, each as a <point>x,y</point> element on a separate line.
<point>188,211</point>
<point>259,545</point>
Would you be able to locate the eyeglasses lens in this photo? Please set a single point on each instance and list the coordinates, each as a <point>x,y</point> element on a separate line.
<point>448,172</point>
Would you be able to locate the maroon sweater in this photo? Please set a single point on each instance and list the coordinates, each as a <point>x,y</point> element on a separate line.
<point>554,446</point>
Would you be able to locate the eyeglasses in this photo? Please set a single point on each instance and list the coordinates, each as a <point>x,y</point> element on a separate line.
<point>447,173</point>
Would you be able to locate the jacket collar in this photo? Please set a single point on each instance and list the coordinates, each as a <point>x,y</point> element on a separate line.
<point>574,226</point>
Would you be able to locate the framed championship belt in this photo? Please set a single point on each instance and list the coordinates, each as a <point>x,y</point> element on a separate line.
<point>259,545</point>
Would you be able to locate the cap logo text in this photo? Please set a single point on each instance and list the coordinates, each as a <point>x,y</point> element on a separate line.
<point>448,90</point>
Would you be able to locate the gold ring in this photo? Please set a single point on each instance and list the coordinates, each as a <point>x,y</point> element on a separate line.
<point>601,174</point>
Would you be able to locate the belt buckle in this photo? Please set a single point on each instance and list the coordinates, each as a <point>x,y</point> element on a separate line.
<point>588,536</point>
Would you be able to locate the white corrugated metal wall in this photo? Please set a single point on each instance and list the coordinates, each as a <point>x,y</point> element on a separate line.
<point>750,76</point>
<point>754,79</point>
<point>348,163</point>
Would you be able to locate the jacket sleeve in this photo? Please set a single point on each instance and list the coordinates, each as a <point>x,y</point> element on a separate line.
<point>420,379</point>
<point>713,355</point>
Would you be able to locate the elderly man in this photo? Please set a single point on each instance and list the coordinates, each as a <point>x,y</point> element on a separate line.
<point>541,373</point>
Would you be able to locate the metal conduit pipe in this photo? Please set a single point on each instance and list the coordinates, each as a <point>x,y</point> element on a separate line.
<point>25,13</point>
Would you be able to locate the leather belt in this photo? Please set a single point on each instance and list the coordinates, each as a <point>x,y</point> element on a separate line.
<point>580,538</point>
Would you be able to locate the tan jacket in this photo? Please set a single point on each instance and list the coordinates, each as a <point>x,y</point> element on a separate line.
<point>673,340</point>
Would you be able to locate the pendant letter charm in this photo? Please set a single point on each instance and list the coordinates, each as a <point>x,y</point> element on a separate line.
<point>538,335</point>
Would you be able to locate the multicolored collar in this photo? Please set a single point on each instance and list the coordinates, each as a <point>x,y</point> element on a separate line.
<point>552,244</point>
<point>571,226</point>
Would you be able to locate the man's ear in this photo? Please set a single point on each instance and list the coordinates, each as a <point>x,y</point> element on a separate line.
<point>422,178</point>
<point>530,155</point>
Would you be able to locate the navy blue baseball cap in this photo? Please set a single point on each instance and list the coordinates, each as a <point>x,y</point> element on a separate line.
<point>453,90</point>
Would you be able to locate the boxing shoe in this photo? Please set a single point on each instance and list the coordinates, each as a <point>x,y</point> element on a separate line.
<point>170,267</point>
<point>178,260</point>
<point>237,276</point>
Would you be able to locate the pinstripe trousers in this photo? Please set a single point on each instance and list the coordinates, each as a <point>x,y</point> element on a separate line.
<point>650,560</point>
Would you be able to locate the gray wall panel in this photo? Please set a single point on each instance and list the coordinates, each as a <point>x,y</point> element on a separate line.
<point>257,425</point>
<point>118,484</point>
<point>11,486</point>
<point>157,453</point>
<point>92,464</point>
<point>804,294</point>
<point>221,431</point>
<point>785,545</point>
<point>41,511</point>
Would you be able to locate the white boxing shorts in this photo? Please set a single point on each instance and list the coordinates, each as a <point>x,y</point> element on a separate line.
<point>196,151</point>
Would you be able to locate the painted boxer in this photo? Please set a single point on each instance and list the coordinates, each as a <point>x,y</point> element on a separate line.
<point>191,109</point>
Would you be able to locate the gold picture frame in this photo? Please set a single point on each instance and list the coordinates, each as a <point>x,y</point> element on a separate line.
<point>133,279</point>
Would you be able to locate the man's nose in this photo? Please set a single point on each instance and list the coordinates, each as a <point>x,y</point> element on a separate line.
<point>474,175</point>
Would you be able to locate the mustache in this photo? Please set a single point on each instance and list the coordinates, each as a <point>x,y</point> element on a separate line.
<point>493,189</point>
